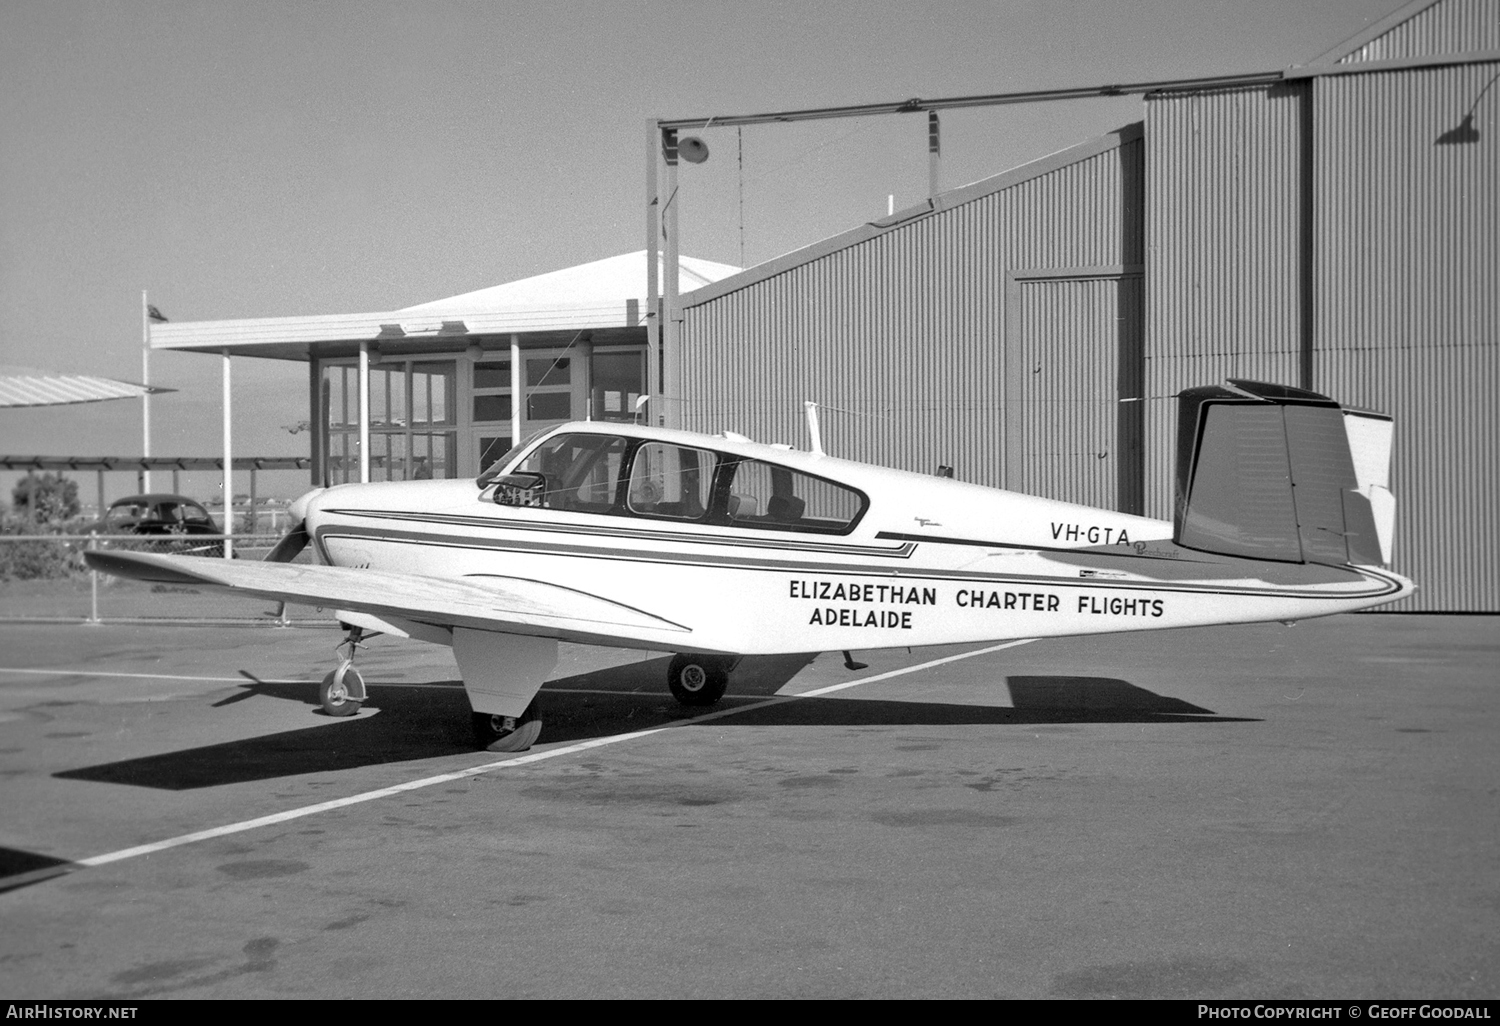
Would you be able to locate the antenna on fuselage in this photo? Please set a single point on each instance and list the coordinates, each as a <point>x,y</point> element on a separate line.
<point>811,409</point>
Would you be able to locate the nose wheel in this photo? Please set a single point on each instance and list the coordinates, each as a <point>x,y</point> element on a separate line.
<point>343,690</point>
<point>508,733</point>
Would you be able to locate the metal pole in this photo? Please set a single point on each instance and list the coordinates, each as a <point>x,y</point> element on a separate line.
<point>228,465</point>
<point>672,337</point>
<point>653,265</point>
<point>364,412</point>
<point>517,398</point>
<point>93,619</point>
<point>145,380</point>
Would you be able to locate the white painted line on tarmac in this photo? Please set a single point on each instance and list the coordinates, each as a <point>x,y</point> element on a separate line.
<point>472,771</point>
<point>357,799</point>
<point>913,669</point>
<point>211,680</point>
<point>144,676</point>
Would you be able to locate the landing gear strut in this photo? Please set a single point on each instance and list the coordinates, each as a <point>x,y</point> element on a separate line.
<point>343,690</point>
<point>699,679</point>
<point>508,733</point>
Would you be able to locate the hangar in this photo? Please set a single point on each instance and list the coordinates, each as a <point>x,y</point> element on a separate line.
<point>1336,228</point>
<point>1335,225</point>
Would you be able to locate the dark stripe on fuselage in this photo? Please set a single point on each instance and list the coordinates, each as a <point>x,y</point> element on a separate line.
<point>709,561</point>
<point>635,532</point>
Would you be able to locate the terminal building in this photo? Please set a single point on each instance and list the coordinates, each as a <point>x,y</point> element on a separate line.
<point>1337,229</point>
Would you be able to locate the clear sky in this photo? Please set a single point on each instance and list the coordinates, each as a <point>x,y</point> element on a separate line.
<point>243,159</point>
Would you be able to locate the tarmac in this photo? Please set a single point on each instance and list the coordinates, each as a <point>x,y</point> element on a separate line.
<point>1221,813</point>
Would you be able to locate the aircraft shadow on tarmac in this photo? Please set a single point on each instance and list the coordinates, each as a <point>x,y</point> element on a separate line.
<point>406,722</point>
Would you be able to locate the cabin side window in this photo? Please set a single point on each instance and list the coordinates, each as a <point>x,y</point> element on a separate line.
<point>769,496</point>
<point>673,481</point>
<point>577,472</point>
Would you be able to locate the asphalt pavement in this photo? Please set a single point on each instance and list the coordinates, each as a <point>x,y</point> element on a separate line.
<point>1238,812</point>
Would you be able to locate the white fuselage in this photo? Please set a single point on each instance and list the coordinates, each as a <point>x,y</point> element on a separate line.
<point>930,562</point>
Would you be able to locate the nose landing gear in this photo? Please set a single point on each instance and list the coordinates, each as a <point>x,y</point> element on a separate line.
<point>508,733</point>
<point>343,690</point>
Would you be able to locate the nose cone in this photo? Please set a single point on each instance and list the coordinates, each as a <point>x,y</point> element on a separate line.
<point>301,504</point>
<point>400,497</point>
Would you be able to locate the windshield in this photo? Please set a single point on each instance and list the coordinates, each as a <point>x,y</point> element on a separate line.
<point>498,467</point>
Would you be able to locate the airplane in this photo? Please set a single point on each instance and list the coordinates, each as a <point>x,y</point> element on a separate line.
<point>715,547</point>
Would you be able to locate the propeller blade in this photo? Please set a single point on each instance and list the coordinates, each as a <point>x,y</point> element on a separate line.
<point>291,544</point>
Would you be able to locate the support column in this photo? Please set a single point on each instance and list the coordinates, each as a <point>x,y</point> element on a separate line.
<point>653,271</point>
<point>517,396</point>
<point>671,335</point>
<point>364,412</point>
<point>145,380</point>
<point>317,419</point>
<point>228,464</point>
<point>583,376</point>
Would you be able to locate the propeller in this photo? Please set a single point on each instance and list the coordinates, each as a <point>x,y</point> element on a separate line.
<point>291,545</point>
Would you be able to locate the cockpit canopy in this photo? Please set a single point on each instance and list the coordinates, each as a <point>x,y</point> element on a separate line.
<point>589,472</point>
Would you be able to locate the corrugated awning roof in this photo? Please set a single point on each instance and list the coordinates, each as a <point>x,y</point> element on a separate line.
<point>27,386</point>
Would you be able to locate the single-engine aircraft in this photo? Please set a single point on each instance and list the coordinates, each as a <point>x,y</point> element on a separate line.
<point>715,547</point>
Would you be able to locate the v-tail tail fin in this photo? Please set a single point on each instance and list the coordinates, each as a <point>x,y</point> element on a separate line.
<point>1272,472</point>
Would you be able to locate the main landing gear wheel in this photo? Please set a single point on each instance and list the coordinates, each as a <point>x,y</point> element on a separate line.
<point>697,679</point>
<point>508,733</point>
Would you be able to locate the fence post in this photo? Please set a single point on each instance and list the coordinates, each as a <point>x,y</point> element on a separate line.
<point>93,620</point>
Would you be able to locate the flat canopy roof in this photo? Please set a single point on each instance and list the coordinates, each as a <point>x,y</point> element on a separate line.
<point>605,297</point>
<point>28,386</point>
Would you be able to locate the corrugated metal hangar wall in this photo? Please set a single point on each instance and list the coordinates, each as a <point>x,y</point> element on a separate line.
<point>1340,230</point>
<point>913,331</point>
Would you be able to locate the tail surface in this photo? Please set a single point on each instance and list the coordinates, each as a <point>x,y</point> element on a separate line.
<point>1272,472</point>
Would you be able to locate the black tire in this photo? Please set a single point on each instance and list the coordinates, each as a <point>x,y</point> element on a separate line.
<point>334,693</point>
<point>493,736</point>
<point>698,680</point>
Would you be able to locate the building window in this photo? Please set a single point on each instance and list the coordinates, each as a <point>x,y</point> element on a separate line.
<point>491,392</point>
<point>549,389</point>
<point>617,384</point>
<point>413,433</point>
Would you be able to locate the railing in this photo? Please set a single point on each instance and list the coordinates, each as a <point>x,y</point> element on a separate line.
<point>44,574</point>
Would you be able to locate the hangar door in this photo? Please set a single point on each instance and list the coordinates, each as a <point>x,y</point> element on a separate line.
<point>1073,371</point>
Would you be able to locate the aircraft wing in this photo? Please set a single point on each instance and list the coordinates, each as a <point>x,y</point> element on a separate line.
<point>509,605</point>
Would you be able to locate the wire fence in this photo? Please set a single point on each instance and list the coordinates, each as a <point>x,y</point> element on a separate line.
<point>44,579</point>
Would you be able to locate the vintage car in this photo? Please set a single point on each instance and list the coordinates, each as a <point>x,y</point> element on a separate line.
<point>175,517</point>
